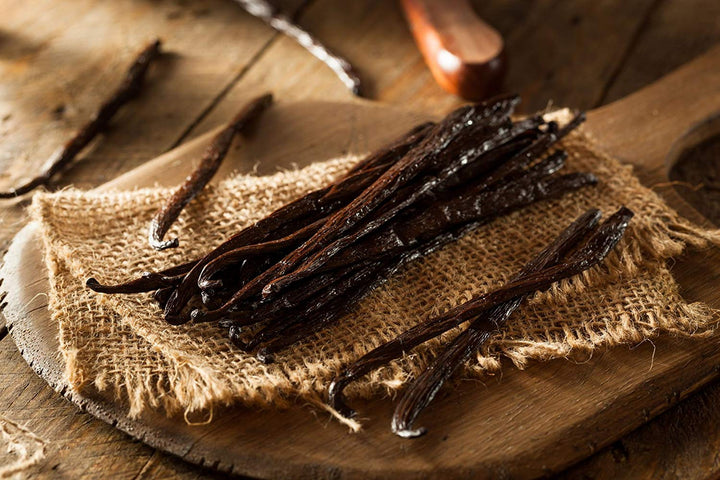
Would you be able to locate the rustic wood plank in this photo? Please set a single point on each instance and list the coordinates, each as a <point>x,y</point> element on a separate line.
<point>565,52</point>
<point>54,76</point>
<point>676,32</point>
<point>373,35</point>
<point>78,445</point>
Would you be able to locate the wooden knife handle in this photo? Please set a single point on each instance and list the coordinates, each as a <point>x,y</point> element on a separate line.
<point>465,54</point>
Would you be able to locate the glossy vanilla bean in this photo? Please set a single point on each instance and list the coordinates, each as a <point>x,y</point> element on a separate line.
<point>61,158</point>
<point>203,173</point>
<point>270,14</point>
<point>147,282</point>
<point>422,391</point>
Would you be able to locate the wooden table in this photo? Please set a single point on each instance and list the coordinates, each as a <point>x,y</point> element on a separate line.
<point>57,58</point>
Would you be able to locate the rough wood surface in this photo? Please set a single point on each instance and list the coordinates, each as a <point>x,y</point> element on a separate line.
<point>611,48</point>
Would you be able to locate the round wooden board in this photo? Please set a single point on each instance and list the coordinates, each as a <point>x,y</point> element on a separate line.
<point>522,425</point>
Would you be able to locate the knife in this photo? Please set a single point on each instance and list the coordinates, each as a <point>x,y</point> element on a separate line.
<point>464,53</point>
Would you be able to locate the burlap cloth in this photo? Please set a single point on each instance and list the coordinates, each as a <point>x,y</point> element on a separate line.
<point>121,343</point>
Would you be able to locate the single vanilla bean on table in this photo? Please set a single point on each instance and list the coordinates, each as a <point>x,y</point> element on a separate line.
<point>62,157</point>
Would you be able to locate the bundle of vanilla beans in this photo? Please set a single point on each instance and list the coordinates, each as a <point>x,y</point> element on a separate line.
<point>305,265</point>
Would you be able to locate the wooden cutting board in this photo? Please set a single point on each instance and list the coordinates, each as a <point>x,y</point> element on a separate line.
<point>522,424</point>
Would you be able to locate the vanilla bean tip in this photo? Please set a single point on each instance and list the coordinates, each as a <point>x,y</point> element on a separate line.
<point>160,245</point>
<point>336,398</point>
<point>265,356</point>
<point>402,431</point>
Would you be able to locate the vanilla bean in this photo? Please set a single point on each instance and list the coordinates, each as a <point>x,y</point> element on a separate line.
<point>147,282</point>
<point>594,250</point>
<point>422,391</point>
<point>196,181</point>
<point>331,303</point>
<point>271,15</point>
<point>234,257</point>
<point>62,157</point>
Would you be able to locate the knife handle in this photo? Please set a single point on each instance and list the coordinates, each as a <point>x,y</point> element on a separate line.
<point>464,54</point>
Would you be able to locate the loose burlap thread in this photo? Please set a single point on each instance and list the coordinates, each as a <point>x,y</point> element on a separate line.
<point>120,343</point>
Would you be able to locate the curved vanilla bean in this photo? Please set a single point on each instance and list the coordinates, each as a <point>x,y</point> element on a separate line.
<point>271,15</point>
<point>161,296</point>
<point>196,181</point>
<point>147,282</point>
<point>62,157</point>
<point>594,250</point>
<point>422,391</point>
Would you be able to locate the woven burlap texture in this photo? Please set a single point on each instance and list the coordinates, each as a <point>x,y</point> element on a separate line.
<point>120,342</point>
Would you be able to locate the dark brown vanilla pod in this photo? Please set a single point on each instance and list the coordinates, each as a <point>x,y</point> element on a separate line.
<point>329,304</point>
<point>422,391</point>
<point>161,296</point>
<point>196,181</point>
<point>535,150</point>
<point>147,282</point>
<point>62,157</point>
<point>319,202</point>
<point>594,250</point>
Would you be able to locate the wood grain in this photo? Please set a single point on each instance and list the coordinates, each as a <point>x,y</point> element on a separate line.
<point>53,78</point>
<point>609,395</point>
<point>610,45</point>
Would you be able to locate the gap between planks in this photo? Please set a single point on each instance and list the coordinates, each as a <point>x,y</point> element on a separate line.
<point>627,52</point>
<point>255,59</point>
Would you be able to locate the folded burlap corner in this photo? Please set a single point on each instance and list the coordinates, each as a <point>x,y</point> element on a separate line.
<point>120,342</point>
